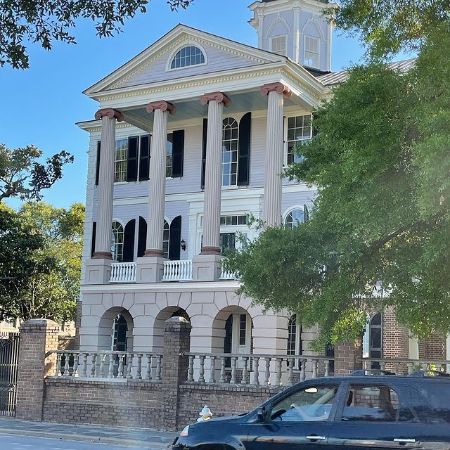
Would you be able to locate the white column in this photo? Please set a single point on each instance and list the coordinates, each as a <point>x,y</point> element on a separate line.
<point>106,182</point>
<point>157,196</point>
<point>273,165</point>
<point>213,173</point>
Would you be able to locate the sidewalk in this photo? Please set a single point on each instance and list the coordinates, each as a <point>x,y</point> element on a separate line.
<point>129,437</point>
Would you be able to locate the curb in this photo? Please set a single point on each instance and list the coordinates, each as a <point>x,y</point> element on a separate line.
<point>80,438</point>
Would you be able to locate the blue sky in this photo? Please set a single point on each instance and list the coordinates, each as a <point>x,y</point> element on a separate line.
<point>42,104</point>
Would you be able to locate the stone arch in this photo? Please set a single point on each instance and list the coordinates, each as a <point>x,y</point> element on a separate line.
<point>221,331</point>
<point>108,325</point>
<point>158,325</point>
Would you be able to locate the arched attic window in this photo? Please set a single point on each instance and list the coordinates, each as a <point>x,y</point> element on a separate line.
<point>296,216</point>
<point>189,55</point>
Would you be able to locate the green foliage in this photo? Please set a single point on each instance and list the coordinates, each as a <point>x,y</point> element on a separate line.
<point>388,26</point>
<point>40,262</point>
<point>45,22</point>
<point>23,176</point>
<point>381,162</point>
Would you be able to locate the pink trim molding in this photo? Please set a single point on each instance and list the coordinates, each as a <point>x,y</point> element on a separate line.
<point>219,97</point>
<point>153,252</point>
<point>109,112</point>
<point>280,88</point>
<point>210,251</point>
<point>162,105</point>
<point>102,255</point>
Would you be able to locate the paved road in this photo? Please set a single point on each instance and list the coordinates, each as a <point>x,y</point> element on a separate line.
<point>14,442</point>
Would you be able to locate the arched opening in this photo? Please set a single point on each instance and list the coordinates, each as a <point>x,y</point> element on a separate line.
<point>232,331</point>
<point>373,340</point>
<point>158,327</point>
<point>115,331</point>
<point>294,342</point>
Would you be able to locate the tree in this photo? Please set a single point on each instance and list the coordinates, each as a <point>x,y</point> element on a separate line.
<point>23,176</point>
<point>44,22</point>
<point>40,263</point>
<point>388,26</point>
<point>381,162</point>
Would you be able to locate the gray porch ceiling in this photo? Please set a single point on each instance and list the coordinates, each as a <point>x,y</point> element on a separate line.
<point>250,100</point>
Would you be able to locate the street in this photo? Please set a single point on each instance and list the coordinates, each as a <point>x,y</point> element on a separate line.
<point>14,442</point>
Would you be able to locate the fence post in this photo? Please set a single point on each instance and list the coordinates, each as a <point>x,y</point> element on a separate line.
<point>37,337</point>
<point>174,367</point>
<point>347,357</point>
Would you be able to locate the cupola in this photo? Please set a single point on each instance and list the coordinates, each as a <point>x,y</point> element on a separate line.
<point>297,29</point>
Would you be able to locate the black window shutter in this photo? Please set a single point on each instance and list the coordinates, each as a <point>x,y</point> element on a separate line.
<point>245,128</point>
<point>97,163</point>
<point>175,239</point>
<point>205,137</point>
<point>142,237</point>
<point>178,153</point>
<point>144,158</point>
<point>132,163</point>
<point>128,241</point>
<point>94,232</point>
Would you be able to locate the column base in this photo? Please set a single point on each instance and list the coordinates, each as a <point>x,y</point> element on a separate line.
<point>98,271</point>
<point>150,269</point>
<point>206,267</point>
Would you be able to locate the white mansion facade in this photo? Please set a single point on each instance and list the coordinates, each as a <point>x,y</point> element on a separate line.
<point>189,142</point>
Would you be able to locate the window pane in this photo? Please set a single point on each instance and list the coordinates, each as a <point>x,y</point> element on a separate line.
<point>306,405</point>
<point>188,56</point>
<point>120,163</point>
<point>371,403</point>
<point>230,145</point>
<point>169,155</point>
<point>242,329</point>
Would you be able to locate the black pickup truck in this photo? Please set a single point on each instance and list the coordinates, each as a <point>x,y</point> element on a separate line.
<point>337,413</point>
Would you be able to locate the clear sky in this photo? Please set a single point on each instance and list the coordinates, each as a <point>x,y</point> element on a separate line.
<point>40,105</point>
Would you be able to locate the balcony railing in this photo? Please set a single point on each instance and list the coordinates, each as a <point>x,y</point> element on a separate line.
<point>178,270</point>
<point>123,272</point>
<point>403,366</point>
<point>256,370</point>
<point>117,366</point>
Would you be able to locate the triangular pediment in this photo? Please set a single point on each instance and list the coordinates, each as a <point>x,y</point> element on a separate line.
<point>153,64</point>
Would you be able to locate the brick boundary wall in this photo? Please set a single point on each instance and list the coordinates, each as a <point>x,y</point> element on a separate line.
<point>129,403</point>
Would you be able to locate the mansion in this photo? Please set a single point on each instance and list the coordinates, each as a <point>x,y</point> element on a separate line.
<point>188,144</point>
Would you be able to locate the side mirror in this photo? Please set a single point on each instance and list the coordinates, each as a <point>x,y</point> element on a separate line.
<point>261,414</point>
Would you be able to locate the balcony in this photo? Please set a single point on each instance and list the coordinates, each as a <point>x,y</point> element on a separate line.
<point>178,270</point>
<point>123,272</point>
<point>173,271</point>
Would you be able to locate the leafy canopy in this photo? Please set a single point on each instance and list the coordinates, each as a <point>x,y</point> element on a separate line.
<point>388,26</point>
<point>381,162</point>
<point>43,22</point>
<point>22,174</point>
<point>40,261</point>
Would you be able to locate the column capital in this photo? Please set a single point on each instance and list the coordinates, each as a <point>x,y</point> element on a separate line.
<point>280,88</point>
<point>109,112</point>
<point>162,105</point>
<point>219,97</point>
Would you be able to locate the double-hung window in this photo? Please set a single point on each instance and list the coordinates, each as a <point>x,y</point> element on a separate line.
<point>121,158</point>
<point>312,52</point>
<point>230,149</point>
<point>298,131</point>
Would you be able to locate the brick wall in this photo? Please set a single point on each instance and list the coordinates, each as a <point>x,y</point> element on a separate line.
<point>433,347</point>
<point>129,403</point>
<point>395,336</point>
<point>348,357</point>
<point>222,400</point>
